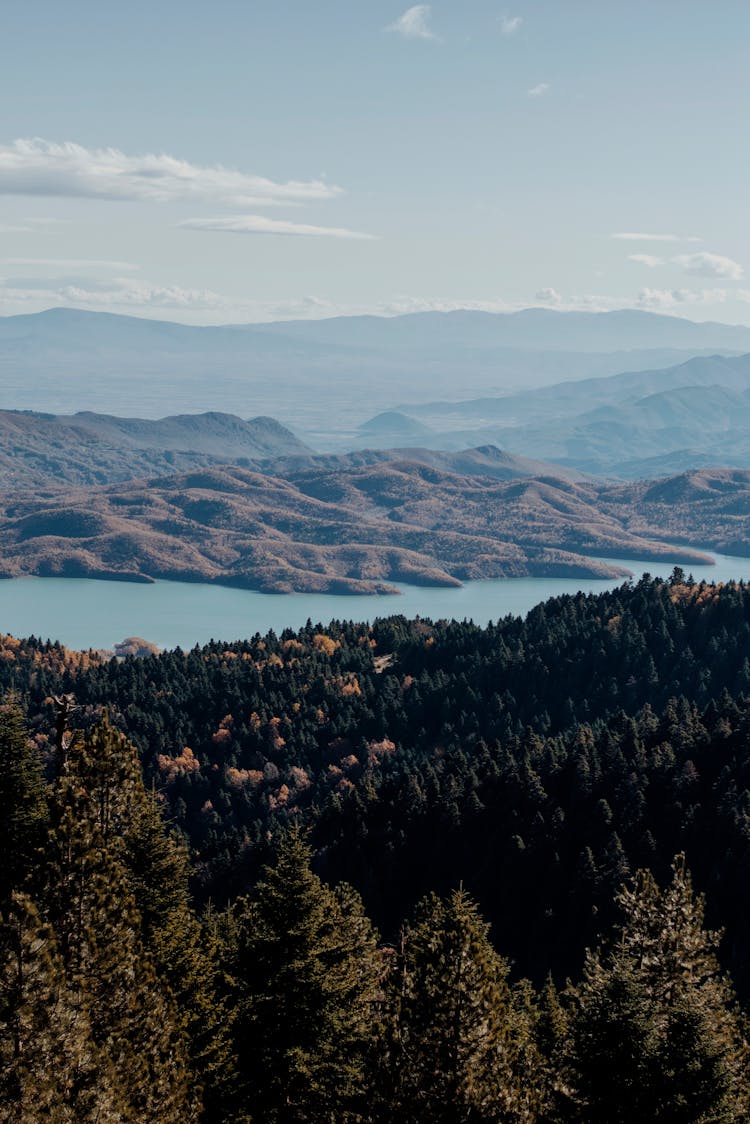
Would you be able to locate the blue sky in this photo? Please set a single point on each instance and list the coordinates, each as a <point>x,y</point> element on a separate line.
<point>257,160</point>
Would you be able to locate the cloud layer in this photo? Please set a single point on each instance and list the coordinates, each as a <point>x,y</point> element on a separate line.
<point>44,168</point>
<point>660,300</point>
<point>201,306</point>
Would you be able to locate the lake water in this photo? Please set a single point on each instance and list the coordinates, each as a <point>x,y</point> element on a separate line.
<point>96,614</point>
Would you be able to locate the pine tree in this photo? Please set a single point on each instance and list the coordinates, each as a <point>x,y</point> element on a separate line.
<point>134,1020</point>
<point>551,1031</point>
<point>23,803</point>
<point>454,1035</point>
<point>155,866</point>
<point>50,1068</point>
<point>656,1035</point>
<point>306,969</point>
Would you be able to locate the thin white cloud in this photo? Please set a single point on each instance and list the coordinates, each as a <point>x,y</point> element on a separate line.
<point>403,305</point>
<point>676,301</point>
<point>44,168</point>
<point>710,265</point>
<point>143,298</point>
<point>30,226</point>
<point>71,265</point>
<point>414,23</point>
<point>509,25</point>
<point>660,299</point>
<point>631,236</point>
<point>120,293</point>
<point>164,296</point>
<point>538,91</point>
<point>650,260</point>
<point>259,224</point>
<point>699,265</point>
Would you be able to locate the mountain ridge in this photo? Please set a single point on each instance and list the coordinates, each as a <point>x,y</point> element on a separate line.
<point>323,377</point>
<point>39,451</point>
<point>514,325</point>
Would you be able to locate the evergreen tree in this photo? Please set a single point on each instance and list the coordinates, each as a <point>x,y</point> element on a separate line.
<point>551,1031</point>
<point>656,1035</point>
<point>23,803</point>
<point>106,766</point>
<point>50,1067</point>
<point>306,969</point>
<point>134,1020</point>
<point>454,1037</point>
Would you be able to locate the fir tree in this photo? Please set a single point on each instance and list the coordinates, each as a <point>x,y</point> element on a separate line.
<point>155,865</point>
<point>134,1020</point>
<point>656,1035</point>
<point>454,1035</point>
<point>306,971</point>
<point>50,1067</point>
<point>551,1030</point>
<point>23,803</point>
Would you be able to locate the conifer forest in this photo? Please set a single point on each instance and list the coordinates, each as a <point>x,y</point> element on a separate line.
<point>378,874</point>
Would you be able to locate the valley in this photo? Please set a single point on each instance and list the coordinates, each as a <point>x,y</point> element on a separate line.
<point>325,378</point>
<point>549,481</point>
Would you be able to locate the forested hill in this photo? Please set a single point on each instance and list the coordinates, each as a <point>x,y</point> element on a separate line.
<point>360,528</point>
<point>554,776</point>
<point>41,452</point>
<point>536,760</point>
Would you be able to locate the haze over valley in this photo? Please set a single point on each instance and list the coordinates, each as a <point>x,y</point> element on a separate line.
<point>507,484</point>
<point>326,378</point>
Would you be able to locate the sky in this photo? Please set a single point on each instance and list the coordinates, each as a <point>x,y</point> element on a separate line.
<point>258,160</point>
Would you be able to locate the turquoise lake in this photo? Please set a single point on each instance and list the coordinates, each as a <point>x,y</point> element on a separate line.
<point>96,614</point>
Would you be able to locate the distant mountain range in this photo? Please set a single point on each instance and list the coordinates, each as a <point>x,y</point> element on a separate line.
<point>538,329</point>
<point>640,423</point>
<point>43,452</point>
<point>325,377</point>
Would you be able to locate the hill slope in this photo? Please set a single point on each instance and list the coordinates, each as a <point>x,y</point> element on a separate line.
<point>693,414</point>
<point>353,530</point>
<point>40,450</point>
<point>706,506</point>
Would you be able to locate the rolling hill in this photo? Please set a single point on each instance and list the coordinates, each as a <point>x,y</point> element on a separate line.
<point>351,529</point>
<point>42,450</point>
<point>698,507</point>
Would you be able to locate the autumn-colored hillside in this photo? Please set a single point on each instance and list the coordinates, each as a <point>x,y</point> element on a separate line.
<point>356,530</point>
